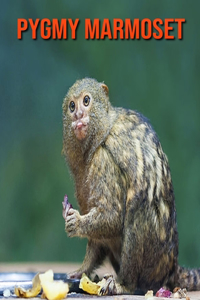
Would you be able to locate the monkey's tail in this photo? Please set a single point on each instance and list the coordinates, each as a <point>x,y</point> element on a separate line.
<point>188,278</point>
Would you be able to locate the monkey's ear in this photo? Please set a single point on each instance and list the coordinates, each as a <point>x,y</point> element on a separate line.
<point>105,88</point>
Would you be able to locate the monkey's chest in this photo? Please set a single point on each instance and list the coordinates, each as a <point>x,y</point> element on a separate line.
<point>83,194</point>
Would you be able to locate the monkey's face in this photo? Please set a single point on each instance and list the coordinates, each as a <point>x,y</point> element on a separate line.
<point>78,111</point>
<point>85,110</point>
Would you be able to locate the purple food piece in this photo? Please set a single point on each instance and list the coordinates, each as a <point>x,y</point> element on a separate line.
<point>163,293</point>
<point>66,207</point>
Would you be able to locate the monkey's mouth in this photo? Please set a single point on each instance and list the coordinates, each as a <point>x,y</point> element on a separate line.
<point>80,125</point>
<point>80,128</point>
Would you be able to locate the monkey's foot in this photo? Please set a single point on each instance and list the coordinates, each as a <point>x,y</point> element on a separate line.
<point>111,287</point>
<point>75,275</point>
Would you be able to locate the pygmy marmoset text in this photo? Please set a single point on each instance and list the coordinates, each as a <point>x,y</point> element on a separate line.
<point>124,191</point>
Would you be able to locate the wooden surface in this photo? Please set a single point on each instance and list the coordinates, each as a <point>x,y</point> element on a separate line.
<point>67,268</point>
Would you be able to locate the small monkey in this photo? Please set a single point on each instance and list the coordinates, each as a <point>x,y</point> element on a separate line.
<point>124,191</point>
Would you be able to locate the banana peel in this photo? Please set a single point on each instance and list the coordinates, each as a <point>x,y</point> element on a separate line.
<point>33,292</point>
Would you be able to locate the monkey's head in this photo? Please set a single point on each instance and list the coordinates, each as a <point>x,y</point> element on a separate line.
<point>85,108</point>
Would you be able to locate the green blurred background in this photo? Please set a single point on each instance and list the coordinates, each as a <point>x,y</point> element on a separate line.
<point>161,79</point>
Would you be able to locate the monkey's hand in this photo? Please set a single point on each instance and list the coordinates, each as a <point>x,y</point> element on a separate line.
<point>73,223</point>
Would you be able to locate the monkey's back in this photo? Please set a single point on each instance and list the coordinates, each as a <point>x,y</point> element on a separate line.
<point>150,216</point>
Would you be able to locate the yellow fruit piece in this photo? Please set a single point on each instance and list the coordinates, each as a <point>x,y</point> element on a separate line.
<point>88,286</point>
<point>33,292</point>
<point>53,290</point>
<point>149,294</point>
<point>47,276</point>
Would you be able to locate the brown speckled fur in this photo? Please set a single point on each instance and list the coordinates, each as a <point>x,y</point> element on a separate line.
<point>125,194</point>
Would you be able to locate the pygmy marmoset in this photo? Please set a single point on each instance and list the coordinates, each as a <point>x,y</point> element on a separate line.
<point>124,191</point>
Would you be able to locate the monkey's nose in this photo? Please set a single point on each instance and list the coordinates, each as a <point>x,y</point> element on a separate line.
<point>79,114</point>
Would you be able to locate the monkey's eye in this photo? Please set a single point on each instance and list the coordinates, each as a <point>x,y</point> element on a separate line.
<point>86,100</point>
<point>72,106</point>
